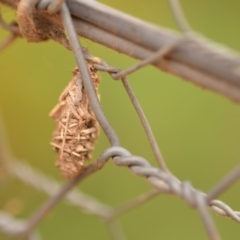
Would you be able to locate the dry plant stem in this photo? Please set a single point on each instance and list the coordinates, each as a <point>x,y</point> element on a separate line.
<point>179,17</point>
<point>123,208</point>
<point>47,206</point>
<point>146,126</point>
<point>224,184</point>
<point>77,50</point>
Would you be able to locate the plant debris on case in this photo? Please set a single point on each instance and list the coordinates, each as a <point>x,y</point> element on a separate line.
<point>76,126</point>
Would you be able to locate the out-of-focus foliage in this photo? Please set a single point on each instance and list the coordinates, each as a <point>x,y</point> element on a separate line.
<point>198,131</point>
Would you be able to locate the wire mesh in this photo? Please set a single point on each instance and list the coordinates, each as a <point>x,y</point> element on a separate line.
<point>160,178</point>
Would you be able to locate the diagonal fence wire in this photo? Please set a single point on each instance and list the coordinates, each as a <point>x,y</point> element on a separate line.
<point>12,227</point>
<point>212,66</point>
<point>161,179</point>
<point>48,185</point>
<point>14,33</point>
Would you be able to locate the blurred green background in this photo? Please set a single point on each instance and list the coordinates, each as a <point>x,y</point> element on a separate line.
<point>198,131</point>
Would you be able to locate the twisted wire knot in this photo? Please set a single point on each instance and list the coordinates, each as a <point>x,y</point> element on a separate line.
<point>163,181</point>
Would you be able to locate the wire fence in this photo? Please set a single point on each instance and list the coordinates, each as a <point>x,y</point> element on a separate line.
<point>188,56</point>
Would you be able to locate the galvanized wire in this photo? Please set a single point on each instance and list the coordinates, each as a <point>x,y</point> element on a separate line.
<point>161,179</point>
<point>25,173</point>
<point>12,227</point>
<point>220,208</point>
<point>180,19</point>
<point>209,59</point>
<point>212,66</point>
<point>14,33</point>
<point>87,81</point>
